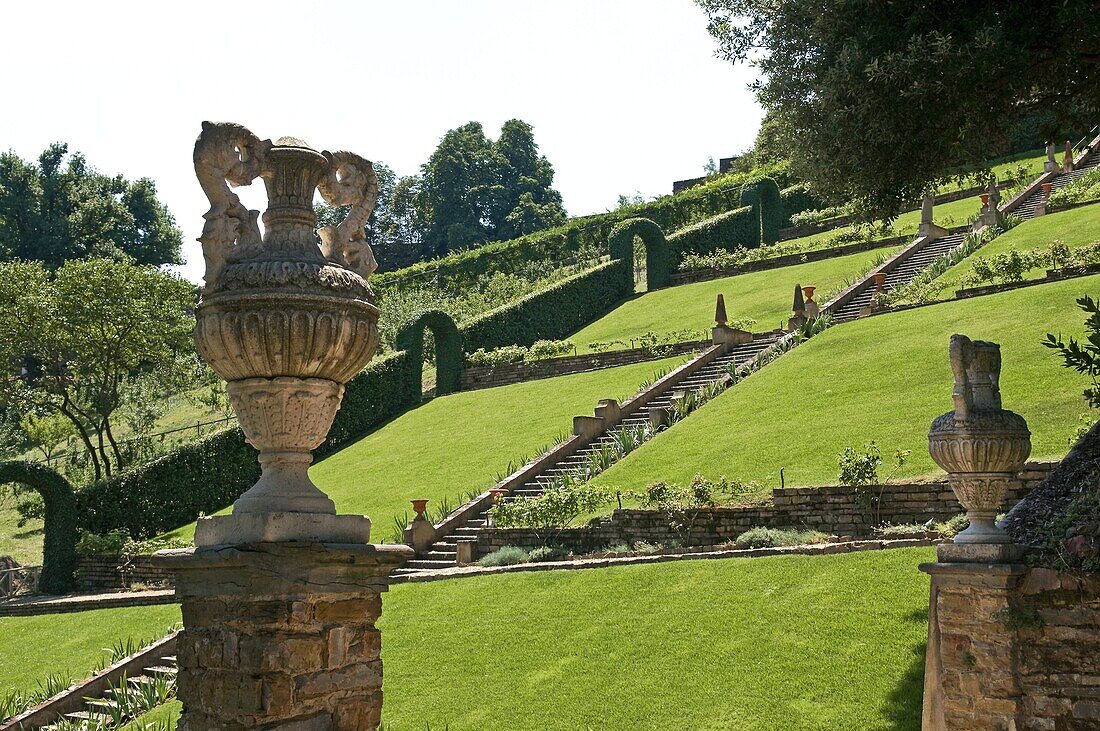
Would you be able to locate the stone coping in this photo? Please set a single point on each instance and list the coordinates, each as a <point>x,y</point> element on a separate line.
<point>32,605</point>
<point>686,554</point>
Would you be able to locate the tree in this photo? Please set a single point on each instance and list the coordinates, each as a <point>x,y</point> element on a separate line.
<point>79,341</point>
<point>882,100</point>
<point>473,190</point>
<point>58,209</point>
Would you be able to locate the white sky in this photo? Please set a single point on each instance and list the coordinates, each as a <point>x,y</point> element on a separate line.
<point>624,95</point>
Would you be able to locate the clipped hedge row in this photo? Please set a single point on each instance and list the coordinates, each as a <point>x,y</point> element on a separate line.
<point>448,349</point>
<point>60,517</point>
<point>796,199</point>
<point>670,213</point>
<point>205,476</point>
<point>739,226</point>
<point>658,264</point>
<point>555,312</point>
<point>767,207</point>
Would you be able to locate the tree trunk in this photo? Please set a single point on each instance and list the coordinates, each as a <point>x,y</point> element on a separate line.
<point>88,446</point>
<point>114,444</point>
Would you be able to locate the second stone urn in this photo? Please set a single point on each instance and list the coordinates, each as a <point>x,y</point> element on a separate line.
<point>980,445</point>
<point>287,318</point>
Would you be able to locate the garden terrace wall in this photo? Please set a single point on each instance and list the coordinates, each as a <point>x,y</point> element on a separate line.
<point>119,572</point>
<point>778,262</point>
<point>836,510</point>
<point>507,373</point>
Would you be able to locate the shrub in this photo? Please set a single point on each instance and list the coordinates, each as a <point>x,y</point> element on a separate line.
<point>507,556</point>
<point>552,511</point>
<point>859,467</point>
<point>776,537</point>
<point>497,356</point>
<point>1085,188</point>
<point>548,553</point>
<point>555,312</point>
<point>767,206</point>
<point>91,544</point>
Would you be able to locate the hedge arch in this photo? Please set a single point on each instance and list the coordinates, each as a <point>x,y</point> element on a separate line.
<point>448,349</point>
<point>658,260</point>
<point>767,204</point>
<point>59,543</point>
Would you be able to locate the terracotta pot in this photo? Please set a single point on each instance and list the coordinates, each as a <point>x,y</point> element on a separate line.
<point>985,200</point>
<point>497,494</point>
<point>809,292</point>
<point>1046,190</point>
<point>880,281</point>
<point>420,506</point>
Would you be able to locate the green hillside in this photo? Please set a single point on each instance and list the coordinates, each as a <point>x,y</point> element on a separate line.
<point>1076,227</point>
<point>883,378</point>
<point>762,296</point>
<point>462,441</point>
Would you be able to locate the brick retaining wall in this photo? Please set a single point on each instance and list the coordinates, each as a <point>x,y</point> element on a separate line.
<point>837,510</point>
<point>103,572</point>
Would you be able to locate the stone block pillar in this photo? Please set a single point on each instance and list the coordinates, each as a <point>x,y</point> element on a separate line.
<point>970,678</point>
<point>281,635</point>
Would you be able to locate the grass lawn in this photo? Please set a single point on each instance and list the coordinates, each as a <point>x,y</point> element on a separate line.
<point>166,713</point>
<point>763,296</point>
<point>72,644</point>
<point>1076,227</point>
<point>786,643</point>
<point>23,544</point>
<point>884,378</point>
<point>461,441</point>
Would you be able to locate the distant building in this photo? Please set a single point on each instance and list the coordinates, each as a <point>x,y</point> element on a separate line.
<point>724,166</point>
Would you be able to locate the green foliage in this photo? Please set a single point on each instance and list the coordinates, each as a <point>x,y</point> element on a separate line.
<point>841,81</point>
<point>926,286</point>
<point>57,209</point>
<point>553,313</point>
<point>620,242</point>
<point>461,269</point>
<point>60,517</point>
<point>552,511</point>
<point>86,336</point>
<point>764,198</point>
<point>859,467</point>
<point>1084,188</point>
<point>540,350</point>
<point>506,556</point>
<point>448,349</point>
<point>775,537</point>
<point>1083,356</point>
<point>736,227</point>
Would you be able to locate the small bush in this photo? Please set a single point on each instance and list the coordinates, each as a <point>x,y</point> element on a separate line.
<point>548,553</point>
<point>507,556</point>
<point>776,537</point>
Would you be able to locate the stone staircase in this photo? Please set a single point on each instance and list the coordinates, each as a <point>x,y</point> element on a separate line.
<point>906,265</point>
<point>98,713</point>
<point>1026,208</point>
<point>444,552</point>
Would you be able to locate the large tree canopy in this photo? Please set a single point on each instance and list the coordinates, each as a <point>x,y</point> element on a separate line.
<point>881,99</point>
<point>60,208</point>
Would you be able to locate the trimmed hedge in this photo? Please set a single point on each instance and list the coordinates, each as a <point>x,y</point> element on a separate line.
<point>764,198</point>
<point>59,541</point>
<point>205,476</point>
<point>554,313</point>
<point>448,349</point>
<point>739,226</point>
<point>670,213</point>
<point>658,264</point>
<point>796,199</point>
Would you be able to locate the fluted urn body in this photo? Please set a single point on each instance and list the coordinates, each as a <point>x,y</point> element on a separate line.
<point>286,318</point>
<point>980,445</point>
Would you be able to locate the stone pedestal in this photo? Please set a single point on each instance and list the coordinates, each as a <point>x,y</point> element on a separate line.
<point>970,678</point>
<point>281,635</point>
<point>729,336</point>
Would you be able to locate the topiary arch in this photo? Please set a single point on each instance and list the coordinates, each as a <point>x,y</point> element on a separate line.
<point>658,261</point>
<point>764,197</point>
<point>448,349</point>
<point>59,543</point>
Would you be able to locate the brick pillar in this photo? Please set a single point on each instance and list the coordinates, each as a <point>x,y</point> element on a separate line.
<point>971,681</point>
<point>281,635</point>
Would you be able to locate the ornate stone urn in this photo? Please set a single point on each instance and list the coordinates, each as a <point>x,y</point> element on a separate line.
<point>287,318</point>
<point>979,444</point>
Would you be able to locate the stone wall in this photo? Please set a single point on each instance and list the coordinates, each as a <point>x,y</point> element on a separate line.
<point>1012,648</point>
<point>118,572</point>
<point>504,374</point>
<point>837,510</point>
